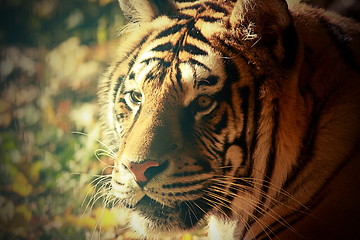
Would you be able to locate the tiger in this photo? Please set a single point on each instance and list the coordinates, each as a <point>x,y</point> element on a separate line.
<point>241,116</point>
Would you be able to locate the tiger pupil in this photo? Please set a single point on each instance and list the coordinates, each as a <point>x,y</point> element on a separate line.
<point>135,97</point>
<point>204,101</point>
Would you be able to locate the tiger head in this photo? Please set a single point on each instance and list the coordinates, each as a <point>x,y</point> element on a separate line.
<point>181,103</point>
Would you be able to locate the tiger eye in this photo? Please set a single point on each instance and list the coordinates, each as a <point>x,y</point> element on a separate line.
<point>135,97</point>
<point>204,102</point>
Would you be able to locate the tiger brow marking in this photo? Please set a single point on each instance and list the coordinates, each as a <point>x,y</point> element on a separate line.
<point>196,62</point>
<point>198,7</point>
<point>117,86</point>
<point>163,47</point>
<point>209,81</point>
<point>183,1</point>
<point>216,7</point>
<point>196,34</point>
<point>174,29</point>
<point>341,40</point>
<point>190,48</point>
<point>132,76</point>
<point>209,19</point>
<point>162,62</point>
<point>122,100</point>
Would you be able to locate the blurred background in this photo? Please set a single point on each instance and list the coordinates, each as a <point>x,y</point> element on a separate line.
<point>53,169</point>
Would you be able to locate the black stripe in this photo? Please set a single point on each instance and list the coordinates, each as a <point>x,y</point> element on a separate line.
<point>122,100</point>
<point>153,74</point>
<point>180,16</point>
<point>117,86</point>
<point>245,96</point>
<point>108,80</point>
<point>161,61</point>
<point>308,145</point>
<point>241,142</point>
<point>136,53</point>
<point>270,161</point>
<point>116,89</point>
<point>342,40</point>
<point>182,1</point>
<point>132,61</point>
<point>196,34</point>
<point>150,76</point>
<point>256,118</point>
<point>184,184</point>
<point>222,123</point>
<point>270,164</point>
<point>209,81</point>
<point>172,78</point>
<point>178,77</point>
<point>190,48</point>
<point>196,62</point>
<point>163,47</point>
<point>254,138</point>
<point>174,29</point>
<point>290,44</point>
<point>215,153</point>
<point>217,7</point>
<point>193,7</point>
<point>232,75</point>
<point>132,76</point>
<point>209,19</point>
<point>209,136</point>
<point>187,173</point>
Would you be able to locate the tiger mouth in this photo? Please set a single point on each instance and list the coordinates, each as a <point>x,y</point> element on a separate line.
<point>184,215</point>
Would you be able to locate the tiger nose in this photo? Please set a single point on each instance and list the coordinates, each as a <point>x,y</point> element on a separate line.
<point>139,169</point>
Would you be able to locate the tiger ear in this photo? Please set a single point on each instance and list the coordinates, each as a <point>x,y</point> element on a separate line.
<point>145,10</point>
<point>269,23</point>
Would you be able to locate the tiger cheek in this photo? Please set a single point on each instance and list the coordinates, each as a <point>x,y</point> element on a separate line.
<point>121,113</point>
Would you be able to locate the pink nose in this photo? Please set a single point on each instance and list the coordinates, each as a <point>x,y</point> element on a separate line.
<point>139,169</point>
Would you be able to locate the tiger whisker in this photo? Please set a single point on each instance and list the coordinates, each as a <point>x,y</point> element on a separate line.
<point>245,211</point>
<point>209,201</point>
<point>258,206</point>
<point>100,178</point>
<point>101,152</point>
<point>99,141</point>
<point>105,168</point>
<point>102,191</point>
<point>278,190</point>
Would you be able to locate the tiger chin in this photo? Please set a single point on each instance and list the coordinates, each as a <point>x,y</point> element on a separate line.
<point>241,113</point>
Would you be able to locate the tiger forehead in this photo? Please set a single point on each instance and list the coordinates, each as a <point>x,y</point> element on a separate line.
<point>189,74</point>
<point>180,55</point>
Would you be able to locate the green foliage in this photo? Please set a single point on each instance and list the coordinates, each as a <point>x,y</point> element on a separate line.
<point>50,22</point>
<point>52,54</point>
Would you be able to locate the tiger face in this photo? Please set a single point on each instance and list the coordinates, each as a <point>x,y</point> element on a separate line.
<point>215,110</point>
<point>175,123</point>
<point>180,119</point>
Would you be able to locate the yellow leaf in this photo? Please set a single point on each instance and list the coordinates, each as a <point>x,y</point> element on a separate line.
<point>24,211</point>
<point>87,190</point>
<point>83,221</point>
<point>186,236</point>
<point>105,217</point>
<point>35,171</point>
<point>21,185</point>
